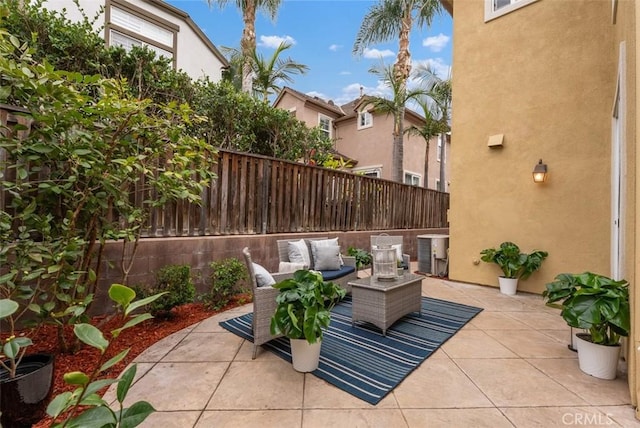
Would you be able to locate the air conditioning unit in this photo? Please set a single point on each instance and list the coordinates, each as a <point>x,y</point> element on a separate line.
<point>433,254</point>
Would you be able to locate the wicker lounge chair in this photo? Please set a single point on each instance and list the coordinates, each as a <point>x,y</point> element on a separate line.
<point>264,304</point>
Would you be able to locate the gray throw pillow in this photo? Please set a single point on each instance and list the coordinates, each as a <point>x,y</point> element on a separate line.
<point>263,277</point>
<point>327,258</point>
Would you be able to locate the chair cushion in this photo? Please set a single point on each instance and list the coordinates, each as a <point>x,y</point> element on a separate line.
<point>291,267</point>
<point>298,252</point>
<point>330,275</point>
<point>263,277</point>
<point>326,258</point>
<point>317,243</point>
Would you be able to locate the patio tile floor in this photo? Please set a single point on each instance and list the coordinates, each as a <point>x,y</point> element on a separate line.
<point>509,367</point>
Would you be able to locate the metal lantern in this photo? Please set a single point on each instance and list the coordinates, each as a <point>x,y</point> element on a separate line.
<point>385,263</point>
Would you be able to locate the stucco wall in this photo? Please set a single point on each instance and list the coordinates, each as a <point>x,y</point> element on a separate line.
<point>544,76</point>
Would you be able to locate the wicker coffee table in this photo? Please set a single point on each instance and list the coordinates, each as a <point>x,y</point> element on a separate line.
<point>382,303</point>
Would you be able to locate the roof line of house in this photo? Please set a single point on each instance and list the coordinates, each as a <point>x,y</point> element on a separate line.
<point>185,16</point>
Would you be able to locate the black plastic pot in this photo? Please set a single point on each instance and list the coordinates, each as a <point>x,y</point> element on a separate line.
<point>24,398</point>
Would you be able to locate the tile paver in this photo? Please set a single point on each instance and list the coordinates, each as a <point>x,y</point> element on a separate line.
<point>509,367</point>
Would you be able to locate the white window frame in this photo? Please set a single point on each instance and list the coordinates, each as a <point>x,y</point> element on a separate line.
<point>413,176</point>
<point>369,171</point>
<point>491,11</point>
<point>132,41</point>
<point>437,181</point>
<point>329,131</point>
<point>367,117</point>
<point>439,148</point>
<point>141,28</point>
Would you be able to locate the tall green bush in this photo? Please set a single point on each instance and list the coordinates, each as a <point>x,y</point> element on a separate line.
<point>176,281</point>
<point>70,178</point>
<point>225,275</point>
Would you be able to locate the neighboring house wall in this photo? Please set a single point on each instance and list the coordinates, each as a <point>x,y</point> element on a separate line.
<point>542,76</point>
<point>170,32</point>
<point>371,146</point>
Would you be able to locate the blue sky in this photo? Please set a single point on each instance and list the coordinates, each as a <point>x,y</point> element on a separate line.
<point>322,33</point>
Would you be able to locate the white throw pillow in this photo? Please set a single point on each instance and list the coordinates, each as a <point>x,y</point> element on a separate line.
<point>327,258</point>
<point>398,248</point>
<point>333,242</point>
<point>291,267</point>
<point>263,277</point>
<point>298,252</point>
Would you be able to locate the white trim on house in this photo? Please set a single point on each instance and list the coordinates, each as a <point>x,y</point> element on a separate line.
<point>415,179</point>
<point>618,169</point>
<point>365,120</point>
<point>496,8</point>
<point>374,171</point>
<point>325,123</point>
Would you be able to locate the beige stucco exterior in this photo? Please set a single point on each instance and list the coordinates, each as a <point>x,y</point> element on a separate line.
<point>546,77</point>
<point>372,146</point>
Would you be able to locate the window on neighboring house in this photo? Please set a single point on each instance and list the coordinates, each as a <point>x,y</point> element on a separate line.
<point>439,151</point>
<point>496,8</point>
<point>437,184</point>
<point>128,26</point>
<point>324,123</point>
<point>370,171</point>
<point>365,120</point>
<point>292,112</point>
<point>411,178</point>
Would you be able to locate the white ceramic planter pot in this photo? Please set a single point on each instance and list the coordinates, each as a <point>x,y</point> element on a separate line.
<point>597,360</point>
<point>508,286</point>
<point>305,356</point>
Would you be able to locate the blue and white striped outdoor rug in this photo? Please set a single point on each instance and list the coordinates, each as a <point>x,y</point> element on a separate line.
<point>362,362</point>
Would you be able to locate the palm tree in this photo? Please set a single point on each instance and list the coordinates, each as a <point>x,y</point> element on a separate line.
<point>248,41</point>
<point>432,126</point>
<point>439,90</point>
<point>269,72</point>
<point>384,21</point>
<point>396,107</point>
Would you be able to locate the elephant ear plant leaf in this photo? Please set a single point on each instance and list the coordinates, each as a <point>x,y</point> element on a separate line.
<point>304,306</point>
<point>512,262</point>
<point>592,302</point>
<point>84,407</point>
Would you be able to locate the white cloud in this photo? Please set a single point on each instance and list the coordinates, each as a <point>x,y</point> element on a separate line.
<point>436,43</point>
<point>376,53</point>
<point>274,41</point>
<point>345,73</point>
<point>335,47</point>
<point>437,65</point>
<point>317,94</point>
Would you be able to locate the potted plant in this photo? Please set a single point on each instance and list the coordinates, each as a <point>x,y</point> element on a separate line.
<point>600,305</point>
<point>363,257</point>
<point>20,373</point>
<point>514,264</point>
<point>303,311</point>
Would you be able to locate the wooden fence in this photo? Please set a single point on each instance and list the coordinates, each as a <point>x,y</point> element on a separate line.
<point>260,195</point>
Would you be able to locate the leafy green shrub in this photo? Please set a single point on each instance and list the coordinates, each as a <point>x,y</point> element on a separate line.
<point>223,279</point>
<point>176,281</point>
<point>363,258</point>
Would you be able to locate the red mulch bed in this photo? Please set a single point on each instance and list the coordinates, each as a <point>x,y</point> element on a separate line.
<point>137,338</point>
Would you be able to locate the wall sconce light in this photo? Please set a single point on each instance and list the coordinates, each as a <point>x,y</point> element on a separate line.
<point>540,172</point>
